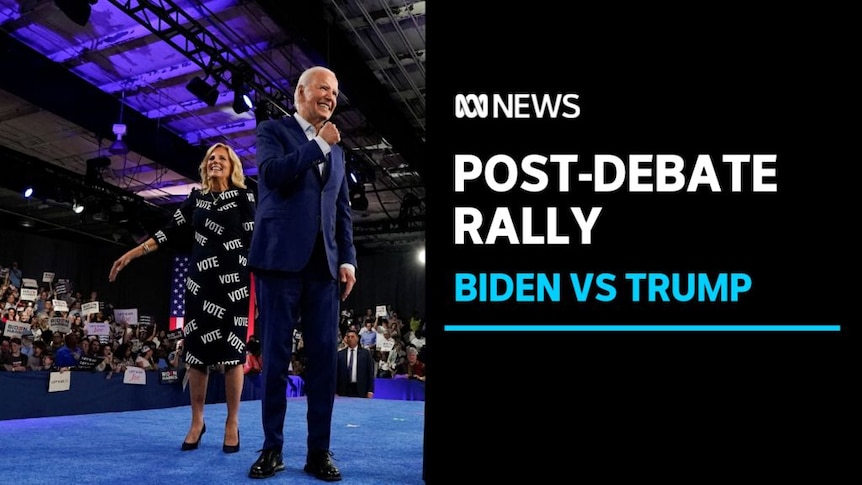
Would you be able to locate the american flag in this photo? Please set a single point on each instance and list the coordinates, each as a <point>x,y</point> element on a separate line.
<point>178,284</point>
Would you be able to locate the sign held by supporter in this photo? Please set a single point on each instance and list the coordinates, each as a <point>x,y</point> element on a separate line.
<point>15,329</point>
<point>60,306</point>
<point>99,329</point>
<point>90,308</point>
<point>47,277</point>
<point>63,286</point>
<point>168,377</point>
<point>145,320</point>
<point>59,324</point>
<point>381,311</point>
<point>386,345</point>
<point>126,315</point>
<point>135,375</point>
<point>59,381</point>
<point>88,363</point>
<point>29,283</point>
<point>28,294</point>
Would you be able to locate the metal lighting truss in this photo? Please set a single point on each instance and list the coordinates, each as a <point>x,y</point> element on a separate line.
<point>166,20</point>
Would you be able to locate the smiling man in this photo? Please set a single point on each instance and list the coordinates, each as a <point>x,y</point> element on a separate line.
<point>301,249</point>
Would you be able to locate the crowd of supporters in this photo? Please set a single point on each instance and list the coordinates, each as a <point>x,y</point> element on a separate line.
<point>35,336</point>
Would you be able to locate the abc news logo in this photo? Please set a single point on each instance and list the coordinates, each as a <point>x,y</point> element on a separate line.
<point>516,105</point>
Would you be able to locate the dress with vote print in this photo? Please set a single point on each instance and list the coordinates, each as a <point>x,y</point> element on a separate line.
<point>218,286</point>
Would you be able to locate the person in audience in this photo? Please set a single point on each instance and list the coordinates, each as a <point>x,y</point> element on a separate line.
<point>27,343</point>
<point>297,365</point>
<point>415,321</point>
<point>107,363</point>
<point>161,358</point>
<point>34,362</point>
<point>57,342</point>
<point>83,344</point>
<point>385,342</point>
<point>393,319</point>
<point>368,317</point>
<point>396,356</point>
<point>11,315</point>
<point>11,304</point>
<point>418,339</point>
<point>123,358</point>
<point>15,275</point>
<point>356,370</point>
<point>367,336</point>
<point>217,220</point>
<point>176,358</point>
<point>145,358</point>
<point>412,368</point>
<point>67,356</point>
<point>14,360</point>
<point>48,362</point>
<point>95,347</point>
<point>382,364</point>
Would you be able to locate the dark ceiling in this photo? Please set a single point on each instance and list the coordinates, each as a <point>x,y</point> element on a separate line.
<point>72,79</point>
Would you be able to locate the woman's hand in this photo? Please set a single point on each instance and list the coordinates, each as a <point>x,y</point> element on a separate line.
<point>119,264</point>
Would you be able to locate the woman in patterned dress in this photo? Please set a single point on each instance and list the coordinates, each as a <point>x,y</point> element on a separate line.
<point>218,219</point>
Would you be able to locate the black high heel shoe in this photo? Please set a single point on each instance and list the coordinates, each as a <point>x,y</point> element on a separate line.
<point>194,446</point>
<point>231,448</point>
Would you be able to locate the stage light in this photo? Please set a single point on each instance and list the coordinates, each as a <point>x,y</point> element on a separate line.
<point>77,208</point>
<point>119,146</point>
<point>358,200</point>
<point>28,192</point>
<point>242,101</point>
<point>421,256</point>
<point>78,11</point>
<point>204,92</point>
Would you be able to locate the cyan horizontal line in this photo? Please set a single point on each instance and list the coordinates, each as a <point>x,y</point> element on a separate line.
<point>642,328</point>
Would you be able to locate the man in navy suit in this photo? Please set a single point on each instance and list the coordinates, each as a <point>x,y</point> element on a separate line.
<point>355,369</point>
<point>302,247</point>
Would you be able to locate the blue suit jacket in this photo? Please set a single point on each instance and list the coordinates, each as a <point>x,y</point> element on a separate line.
<point>364,371</point>
<point>295,202</point>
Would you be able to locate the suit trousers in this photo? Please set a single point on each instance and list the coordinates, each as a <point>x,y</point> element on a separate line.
<point>284,297</point>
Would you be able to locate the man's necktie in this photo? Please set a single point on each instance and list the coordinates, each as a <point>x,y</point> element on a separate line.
<point>311,134</point>
<point>350,365</point>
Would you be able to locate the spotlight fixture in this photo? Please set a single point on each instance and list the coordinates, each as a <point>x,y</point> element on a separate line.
<point>77,208</point>
<point>78,11</point>
<point>358,200</point>
<point>119,147</point>
<point>242,100</point>
<point>28,192</point>
<point>204,92</point>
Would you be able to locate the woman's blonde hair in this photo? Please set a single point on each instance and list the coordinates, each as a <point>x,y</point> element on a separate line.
<point>237,177</point>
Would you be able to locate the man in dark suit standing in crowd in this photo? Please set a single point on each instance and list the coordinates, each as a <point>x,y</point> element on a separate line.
<point>355,369</point>
<point>301,248</point>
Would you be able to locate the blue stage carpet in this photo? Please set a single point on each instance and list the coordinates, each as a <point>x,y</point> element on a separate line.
<point>374,441</point>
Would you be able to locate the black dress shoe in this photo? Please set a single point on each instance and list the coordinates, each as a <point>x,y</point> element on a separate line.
<point>194,446</point>
<point>231,448</point>
<point>319,464</point>
<point>267,464</point>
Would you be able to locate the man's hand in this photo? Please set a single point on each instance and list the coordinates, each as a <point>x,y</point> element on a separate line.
<point>348,277</point>
<point>329,133</point>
